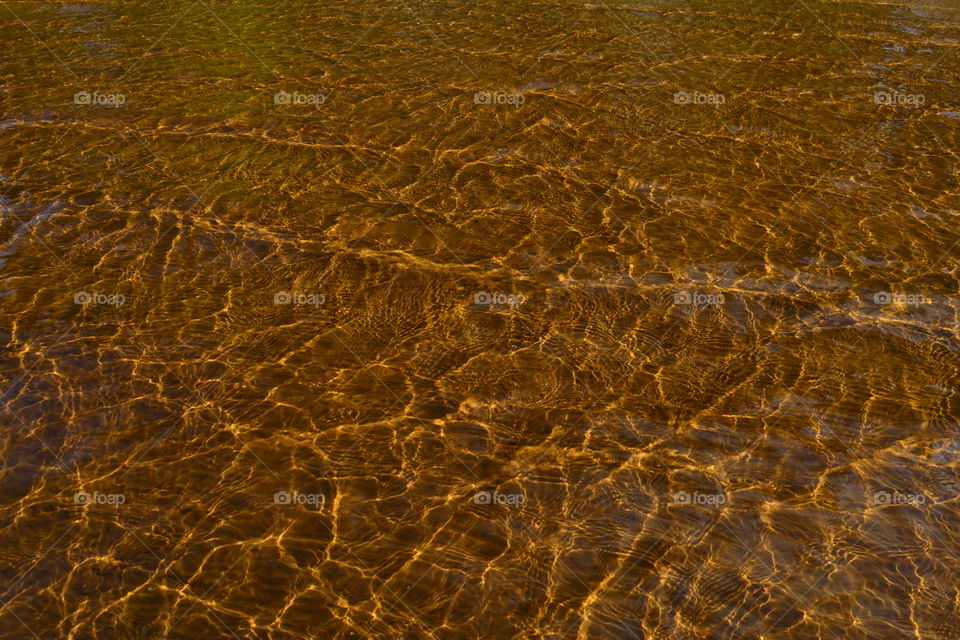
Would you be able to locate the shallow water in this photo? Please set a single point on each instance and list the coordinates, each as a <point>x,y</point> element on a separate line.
<point>479,320</point>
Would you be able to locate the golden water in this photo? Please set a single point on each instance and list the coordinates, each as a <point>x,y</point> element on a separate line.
<point>486,319</point>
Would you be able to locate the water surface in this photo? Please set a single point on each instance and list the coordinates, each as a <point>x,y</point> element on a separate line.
<point>485,319</point>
